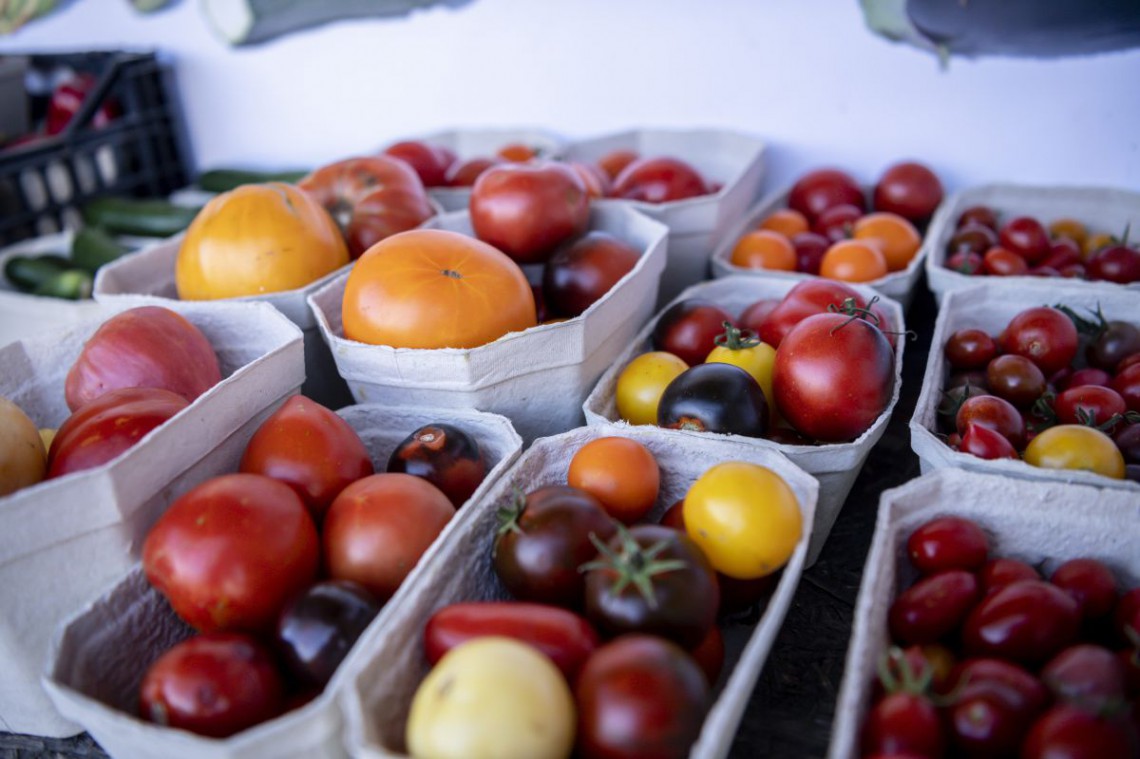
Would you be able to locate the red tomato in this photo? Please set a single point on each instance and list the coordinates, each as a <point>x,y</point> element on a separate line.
<point>1026,237</point>
<point>965,262</point>
<point>688,329</point>
<point>580,274</point>
<point>947,543</point>
<point>909,189</point>
<point>148,346</point>
<point>108,426</point>
<point>1088,676</point>
<point>904,723</point>
<point>1026,622</point>
<point>564,636</point>
<point>983,215</point>
<point>970,349</point>
<point>709,653</point>
<point>1002,262</point>
<point>1031,695</point>
<point>613,162</point>
<point>230,553</point>
<point>1126,617</point>
<point>214,684</point>
<point>837,223</point>
<point>659,179</point>
<point>1044,335</point>
<point>805,299</point>
<point>527,210</point>
<point>833,377</point>
<point>598,183</point>
<point>640,695</point>
<point>445,456</point>
<point>810,249</point>
<point>429,161</point>
<point>1093,405</point>
<point>986,443</point>
<point>1090,583</point>
<point>754,315</point>
<point>997,573</point>
<point>309,448</point>
<point>934,607</point>
<point>1127,383</point>
<point>819,190</point>
<point>464,173</point>
<point>1069,732</point>
<point>1118,264</point>
<point>378,528</point>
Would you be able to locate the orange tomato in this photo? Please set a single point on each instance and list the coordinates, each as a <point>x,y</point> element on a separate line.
<point>257,239</point>
<point>613,162</point>
<point>853,261</point>
<point>517,152</point>
<point>1071,228</point>
<point>764,249</point>
<point>899,241</point>
<point>787,221</point>
<point>621,473</point>
<point>430,288</point>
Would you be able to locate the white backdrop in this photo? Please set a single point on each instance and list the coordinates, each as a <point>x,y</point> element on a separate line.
<point>805,75</point>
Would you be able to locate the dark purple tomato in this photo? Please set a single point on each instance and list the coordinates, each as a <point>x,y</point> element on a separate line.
<point>1044,335</point>
<point>1027,622</point>
<point>947,543</point>
<point>997,573</point>
<point>970,349</point>
<point>688,329</point>
<point>1068,732</point>
<point>1026,237</point>
<point>1087,676</point>
<point>1117,341</point>
<point>965,262</point>
<point>934,607</point>
<point>1002,262</point>
<point>578,275</point>
<point>983,215</point>
<point>1127,383</point>
<point>810,248</point>
<point>821,189</point>
<point>318,628</point>
<point>1118,264</point>
<point>909,189</point>
<point>714,397</point>
<point>1127,439</point>
<point>445,456</point>
<point>838,222</point>
<point>993,413</point>
<point>1086,376</point>
<point>1016,379</point>
<point>976,238</point>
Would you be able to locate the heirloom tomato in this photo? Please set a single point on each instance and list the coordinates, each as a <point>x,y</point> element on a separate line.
<point>23,458</point>
<point>807,298</point>
<point>430,162</point>
<point>317,629</point>
<point>715,397</point>
<point>688,329</point>
<point>641,383</point>
<point>620,472</point>
<point>445,456</point>
<point>909,189</point>
<point>1075,446</point>
<point>744,349</point>
<point>580,274</point>
<point>819,190</point>
<point>660,179</point>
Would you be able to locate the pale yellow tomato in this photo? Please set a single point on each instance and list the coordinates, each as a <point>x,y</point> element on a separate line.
<point>641,383</point>
<point>23,460</point>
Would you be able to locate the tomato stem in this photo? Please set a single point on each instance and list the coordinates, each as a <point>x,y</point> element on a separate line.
<point>736,339</point>
<point>632,564</point>
<point>1085,326</point>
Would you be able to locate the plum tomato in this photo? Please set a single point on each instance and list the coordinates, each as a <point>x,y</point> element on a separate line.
<point>651,579</point>
<point>909,189</point>
<point>986,443</point>
<point>807,298</point>
<point>1075,446</point>
<point>1002,571</point>
<point>1031,695</point>
<point>934,607</point>
<point>1086,675</point>
<point>1016,379</point>
<point>309,448</point>
<point>904,723</point>
<point>231,552</point>
<point>430,161</point>
<point>993,413</point>
<point>620,472</point>
<point>970,349</point>
<point>543,538</point>
<point>984,721</point>
<point>445,456</point>
<point>579,274</point>
<point>714,397</point>
<point>659,179</point>
<point>1025,236</point>
<point>1092,405</point>
<point>820,189</point>
<point>641,383</point>
<point>1044,335</point>
<point>1090,583</point>
<point>947,543</point>
<point>688,329</point>
<point>1074,733</point>
<point>833,377</point>
<point>1027,622</point>
<point>640,695</point>
<point>377,529</point>
<point>318,628</point>
<point>213,684</point>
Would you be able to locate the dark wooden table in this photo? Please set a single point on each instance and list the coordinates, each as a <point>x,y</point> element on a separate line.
<point>790,712</point>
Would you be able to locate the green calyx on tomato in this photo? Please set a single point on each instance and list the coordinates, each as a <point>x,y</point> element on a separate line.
<point>633,564</point>
<point>508,516</point>
<point>737,339</point>
<point>898,673</point>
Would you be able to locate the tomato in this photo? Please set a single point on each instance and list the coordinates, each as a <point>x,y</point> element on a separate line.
<point>528,210</point>
<point>1069,732</point>
<point>970,349</point>
<point>853,261</point>
<point>565,637</point>
<point>378,528</point>
<point>745,518</point>
<point>965,262</point>
<point>445,456</point>
<point>986,443</point>
<point>580,274</point>
<point>1025,236</point>
<point>1093,405</point>
<point>898,239</point>
<point>1062,253</point>
<point>947,543</point>
<point>786,221</point>
<point>106,427</point>
<point>1027,622</point>
<point>146,346</point>
<point>997,573</point>
<point>818,190</point>
<point>464,173</point>
<point>833,377</point>
<point>1003,262</point>
<point>1075,446</point>
<point>934,607</point>
<point>429,161</point>
<point>229,553</point>
<point>909,189</point>
<point>1127,384</point>
<point>23,459</point>
<point>543,540</point>
<point>837,222</point>
<point>597,182</point>
<point>1118,264</point>
<point>518,152</point>
<point>435,289</point>
<point>805,299</point>
<point>474,701</point>
<point>660,179</point>
<point>982,215</point>
<point>1086,675</point>
<point>227,250</point>
<point>640,695</point>
<point>984,720</point>
<point>655,580</point>
<point>972,237</point>
<point>369,198</point>
<point>620,472</point>
<point>810,249</point>
<point>1030,694</point>
<point>613,162</point>
<point>714,397</point>
<point>1044,335</point>
<point>688,329</point>
<point>1115,342</point>
<point>754,315</point>
<point>214,684</point>
<point>641,383</point>
<point>746,351</point>
<point>318,628</point>
<point>1086,376</point>
<point>764,249</point>
<point>1016,379</point>
<point>1127,439</point>
<point>904,723</point>
<point>1126,617</point>
<point>1090,583</point>
<point>309,448</point>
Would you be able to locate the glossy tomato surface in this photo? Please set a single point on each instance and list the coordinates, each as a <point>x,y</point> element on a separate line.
<point>445,456</point>
<point>821,189</point>
<point>688,329</point>
<point>1026,622</point>
<point>580,274</point>
<point>659,179</point>
<point>318,628</point>
<point>430,161</point>
<point>620,472</point>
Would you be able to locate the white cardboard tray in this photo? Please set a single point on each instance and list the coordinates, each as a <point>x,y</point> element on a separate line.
<point>1035,522</point>
<point>537,378</point>
<point>380,693</point>
<point>99,655</point>
<point>835,465</point>
<point>62,540</point>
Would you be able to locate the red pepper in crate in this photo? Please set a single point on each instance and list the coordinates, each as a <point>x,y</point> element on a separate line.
<point>67,99</point>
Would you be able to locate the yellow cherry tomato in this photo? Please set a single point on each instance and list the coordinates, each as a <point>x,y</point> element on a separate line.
<point>641,383</point>
<point>750,354</point>
<point>744,517</point>
<point>1070,228</point>
<point>1075,446</point>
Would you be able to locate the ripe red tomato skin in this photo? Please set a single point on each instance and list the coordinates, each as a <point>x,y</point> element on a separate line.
<point>309,448</point>
<point>837,222</point>
<point>1069,732</point>
<point>1127,615</point>
<point>214,684</point>
<point>464,173</point>
<point>984,720</point>
<point>430,162</point>
<point>947,543</point>
<point>970,349</point>
<point>445,456</point>
<point>805,299</point>
<point>108,426</point>
<point>810,249</point>
<point>972,238</point>
<point>904,722</point>
<point>1026,237</point>
<point>934,607</point>
<point>1127,384</point>
<point>1118,264</point>
<point>983,215</point>
<point>1090,583</point>
<point>993,413</point>
<point>583,272</point>
<point>1031,694</point>
<point>965,262</point>
<point>755,314</point>
<point>1002,262</point>
<point>1097,401</point>
<point>1026,622</point>
<point>640,695</point>
<point>986,443</point>
<point>688,329</point>
<point>567,638</point>
<point>997,573</point>
<point>818,190</point>
<point>910,189</point>
<point>527,210</point>
<point>229,553</point>
<point>660,179</point>
<point>1086,675</point>
<point>1044,335</point>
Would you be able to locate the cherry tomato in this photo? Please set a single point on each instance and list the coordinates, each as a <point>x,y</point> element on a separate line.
<point>837,222</point>
<point>754,315</point>
<point>1075,446</point>
<point>429,161</point>
<point>597,182</point>
<point>984,720</point>
<point>1092,405</point>
<point>688,329</point>
<point>982,215</point>
<point>1086,376</point>
<point>714,397</point>
<point>997,573</point>
<point>317,629</point>
<point>1127,439</point>
<point>620,472</point>
<point>1090,583</point>
<point>709,653</point>
<point>749,353</point>
<point>1126,617</point>
<point>786,221</point>
<point>1086,675</point>
<point>1062,253</point>
<point>810,249</point>
<point>1073,733</point>
<point>659,180</point>
<point>1127,383</point>
<point>764,249</point>
<point>1002,262</point>
<point>965,262</point>
<point>641,383</point>
<point>229,553</point>
<point>947,543</point>
<point>974,238</point>
<point>1030,694</point>
<point>909,189</point>
<point>1027,622</point>
<point>1016,379</point>
<point>897,238</point>
<point>818,190</point>
<point>986,443</point>
<point>805,299</point>
<point>1118,264</point>
<point>904,723</point>
<point>1115,342</point>
<point>934,607</point>
<point>993,413</point>
<point>1026,237</point>
<point>445,456</point>
<point>464,173</point>
<point>970,349</point>
<point>1044,335</point>
<point>580,274</point>
<point>615,161</point>
<point>854,261</point>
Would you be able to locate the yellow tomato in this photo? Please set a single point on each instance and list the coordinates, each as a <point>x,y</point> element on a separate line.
<point>744,517</point>
<point>257,239</point>
<point>1075,446</point>
<point>641,383</point>
<point>23,460</point>
<point>755,357</point>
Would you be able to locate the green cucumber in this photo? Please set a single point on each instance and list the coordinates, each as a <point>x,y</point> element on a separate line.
<point>29,272</point>
<point>224,180</point>
<point>132,216</point>
<point>91,247</point>
<point>73,284</point>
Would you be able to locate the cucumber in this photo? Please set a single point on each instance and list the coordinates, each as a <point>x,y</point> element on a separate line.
<point>91,247</point>
<point>29,272</point>
<point>224,180</point>
<point>73,284</point>
<point>132,216</point>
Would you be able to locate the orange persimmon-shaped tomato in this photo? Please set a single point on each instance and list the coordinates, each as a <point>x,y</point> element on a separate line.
<point>257,239</point>
<point>431,288</point>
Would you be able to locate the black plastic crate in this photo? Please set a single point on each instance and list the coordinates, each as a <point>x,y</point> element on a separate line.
<point>142,152</point>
